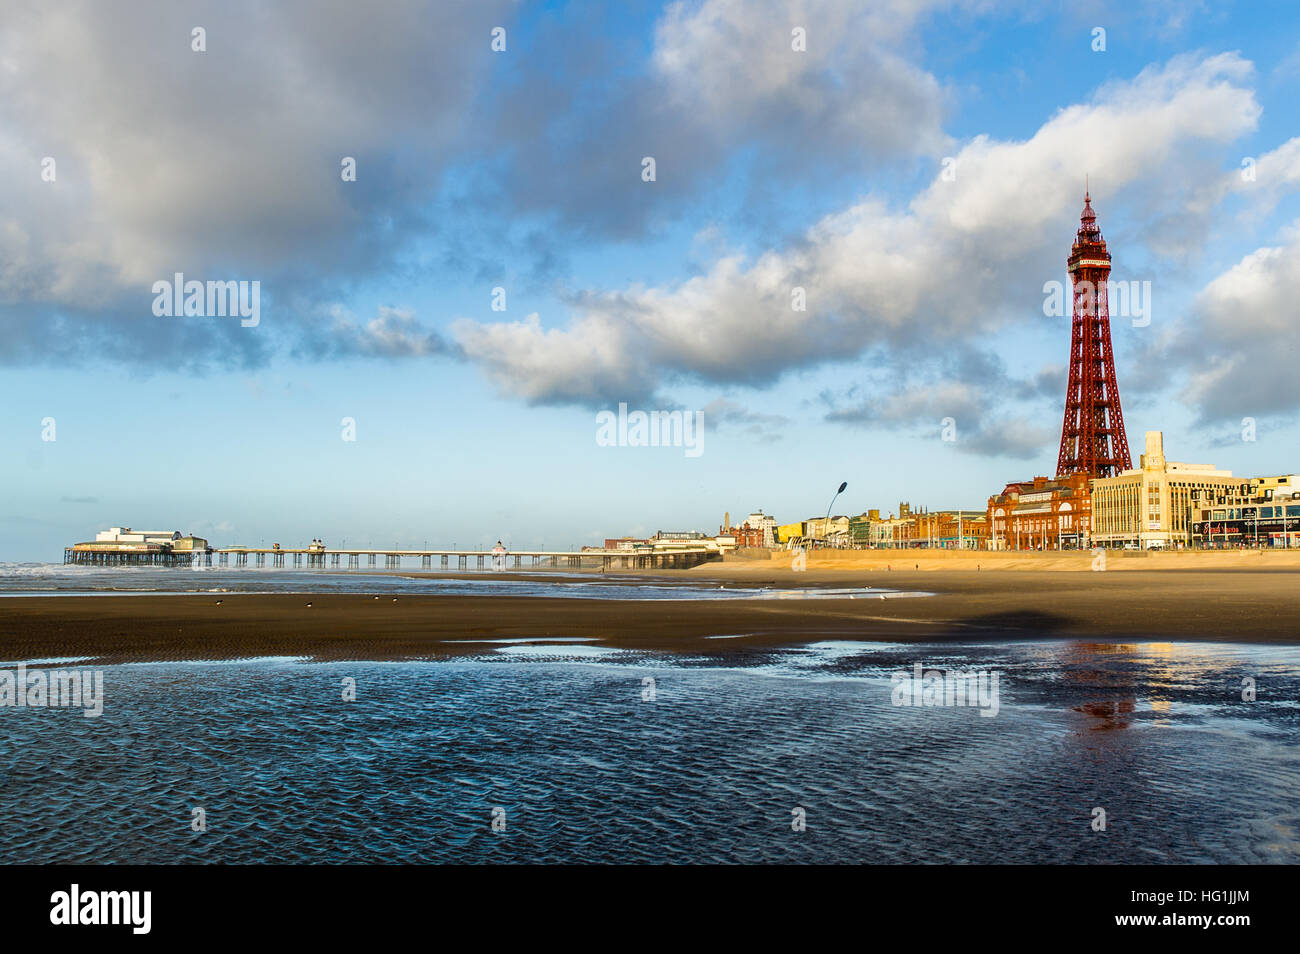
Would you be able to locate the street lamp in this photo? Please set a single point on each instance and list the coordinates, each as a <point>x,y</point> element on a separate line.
<point>826,524</point>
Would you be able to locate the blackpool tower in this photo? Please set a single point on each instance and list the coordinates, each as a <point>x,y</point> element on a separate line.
<point>1092,435</point>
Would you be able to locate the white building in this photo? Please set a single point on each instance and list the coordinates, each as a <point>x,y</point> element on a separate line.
<point>1149,506</point>
<point>127,535</point>
<point>761,521</point>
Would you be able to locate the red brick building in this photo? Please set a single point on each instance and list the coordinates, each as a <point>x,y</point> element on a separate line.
<point>1042,514</point>
<point>746,536</point>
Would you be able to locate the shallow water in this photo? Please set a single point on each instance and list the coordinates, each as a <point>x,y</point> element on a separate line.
<point>50,579</point>
<point>711,769</point>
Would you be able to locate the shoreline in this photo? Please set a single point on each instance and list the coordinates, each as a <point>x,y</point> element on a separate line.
<point>1224,604</point>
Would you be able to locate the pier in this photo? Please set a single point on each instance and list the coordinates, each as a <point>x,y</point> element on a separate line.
<point>323,558</point>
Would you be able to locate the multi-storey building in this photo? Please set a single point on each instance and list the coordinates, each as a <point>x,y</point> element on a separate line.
<point>1149,505</point>
<point>860,535</point>
<point>1040,514</point>
<point>747,536</point>
<point>948,529</point>
<point>765,525</point>
<point>1264,512</point>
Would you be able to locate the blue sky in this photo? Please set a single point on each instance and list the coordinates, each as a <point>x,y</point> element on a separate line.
<point>521,169</point>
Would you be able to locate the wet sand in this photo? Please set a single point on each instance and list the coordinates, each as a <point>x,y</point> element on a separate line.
<point>1231,603</point>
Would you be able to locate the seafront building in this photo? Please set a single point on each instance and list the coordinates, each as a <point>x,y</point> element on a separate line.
<point>952,529</point>
<point>829,531</point>
<point>860,529</point>
<point>627,543</point>
<point>1041,514</point>
<point>766,527</point>
<point>122,546</point>
<point>750,537</point>
<point>787,533</point>
<point>1264,512</point>
<point>1149,506</point>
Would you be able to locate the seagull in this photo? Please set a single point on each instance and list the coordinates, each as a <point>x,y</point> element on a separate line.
<point>219,602</point>
<point>309,605</point>
<point>394,599</point>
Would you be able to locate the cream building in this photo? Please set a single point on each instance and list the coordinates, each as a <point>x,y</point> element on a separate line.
<point>1261,512</point>
<point>1149,506</point>
<point>127,535</point>
<point>766,523</point>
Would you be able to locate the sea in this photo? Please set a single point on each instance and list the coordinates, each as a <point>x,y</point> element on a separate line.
<point>555,751</point>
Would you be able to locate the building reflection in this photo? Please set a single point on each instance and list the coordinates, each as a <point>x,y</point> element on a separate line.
<point>1111,674</point>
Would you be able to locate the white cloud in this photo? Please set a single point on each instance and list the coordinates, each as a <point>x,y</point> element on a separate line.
<point>733,63</point>
<point>1242,337</point>
<point>174,160</point>
<point>960,260</point>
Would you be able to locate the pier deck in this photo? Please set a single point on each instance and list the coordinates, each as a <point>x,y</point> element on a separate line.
<point>326,558</point>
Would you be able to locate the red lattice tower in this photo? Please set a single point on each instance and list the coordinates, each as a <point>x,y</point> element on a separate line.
<point>1092,436</point>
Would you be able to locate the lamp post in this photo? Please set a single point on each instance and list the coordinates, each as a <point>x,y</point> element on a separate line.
<point>826,524</point>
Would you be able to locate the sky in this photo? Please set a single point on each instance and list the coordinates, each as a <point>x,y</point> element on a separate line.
<point>436,336</point>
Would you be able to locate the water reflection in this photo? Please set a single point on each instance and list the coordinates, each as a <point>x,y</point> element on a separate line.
<point>708,769</point>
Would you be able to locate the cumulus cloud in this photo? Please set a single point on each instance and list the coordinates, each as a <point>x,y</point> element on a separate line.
<point>734,63</point>
<point>962,259</point>
<point>222,164</point>
<point>225,164</point>
<point>582,366</point>
<point>722,78</point>
<point>1241,342</point>
<point>965,411</point>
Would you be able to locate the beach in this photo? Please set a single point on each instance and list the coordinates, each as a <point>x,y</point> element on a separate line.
<point>1221,597</point>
